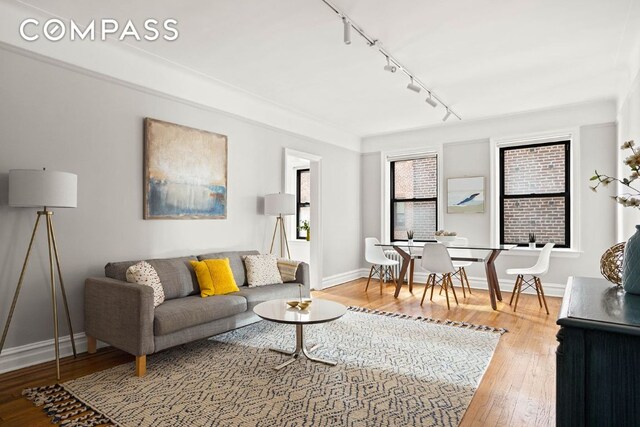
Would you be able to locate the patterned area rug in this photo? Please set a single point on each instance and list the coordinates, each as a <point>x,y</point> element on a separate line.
<point>393,370</point>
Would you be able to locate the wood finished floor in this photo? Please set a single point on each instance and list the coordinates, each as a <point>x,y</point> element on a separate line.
<point>518,388</point>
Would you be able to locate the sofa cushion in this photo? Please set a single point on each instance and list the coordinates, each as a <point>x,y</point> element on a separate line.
<point>176,275</point>
<point>235,261</point>
<point>260,294</point>
<point>181,313</point>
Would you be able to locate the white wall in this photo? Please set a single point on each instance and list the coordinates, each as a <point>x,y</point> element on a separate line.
<point>628,128</point>
<point>466,151</point>
<point>64,119</point>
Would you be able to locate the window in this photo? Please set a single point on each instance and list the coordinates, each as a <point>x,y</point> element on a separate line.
<point>414,198</point>
<point>303,200</point>
<point>535,193</point>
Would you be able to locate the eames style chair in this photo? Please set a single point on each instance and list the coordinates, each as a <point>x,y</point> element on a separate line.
<point>380,264</point>
<point>437,261</point>
<point>531,277</point>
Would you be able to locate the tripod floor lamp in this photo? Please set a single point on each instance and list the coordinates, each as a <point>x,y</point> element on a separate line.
<point>279,205</point>
<point>44,189</point>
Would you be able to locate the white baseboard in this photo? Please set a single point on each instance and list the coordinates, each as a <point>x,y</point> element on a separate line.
<point>338,279</point>
<point>39,352</point>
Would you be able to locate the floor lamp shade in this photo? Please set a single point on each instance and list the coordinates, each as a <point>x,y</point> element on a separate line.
<point>38,188</point>
<point>279,204</point>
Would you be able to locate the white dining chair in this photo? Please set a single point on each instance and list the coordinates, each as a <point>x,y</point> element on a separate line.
<point>460,272</point>
<point>437,261</point>
<point>375,256</point>
<point>534,273</point>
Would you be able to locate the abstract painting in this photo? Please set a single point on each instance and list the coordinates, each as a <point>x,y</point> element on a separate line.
<point>185,172</point>
<point>465,195</point>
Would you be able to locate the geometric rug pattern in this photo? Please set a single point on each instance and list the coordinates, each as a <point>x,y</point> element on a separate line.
<point>393,370</point>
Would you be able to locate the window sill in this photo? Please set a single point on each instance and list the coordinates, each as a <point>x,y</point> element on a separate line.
<point>555,253</point>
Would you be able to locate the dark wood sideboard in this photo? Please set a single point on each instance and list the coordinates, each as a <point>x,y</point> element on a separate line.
<point>598,358</point>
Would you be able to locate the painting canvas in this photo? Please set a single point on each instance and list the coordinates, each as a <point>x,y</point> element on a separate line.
<point>185,172</point>
<point>465,195</point>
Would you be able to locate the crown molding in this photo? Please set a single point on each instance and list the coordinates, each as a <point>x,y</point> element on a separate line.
<point>123,62</point>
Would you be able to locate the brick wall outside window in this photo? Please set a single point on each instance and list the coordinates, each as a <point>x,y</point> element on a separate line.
<point>537,170</point>
<point>415,179</point>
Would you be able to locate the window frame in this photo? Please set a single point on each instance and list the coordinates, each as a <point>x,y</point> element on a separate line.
<point>299,204</point>
<point>393,200</point>
<point>566,194</point>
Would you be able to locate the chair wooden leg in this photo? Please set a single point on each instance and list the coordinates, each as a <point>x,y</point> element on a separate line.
<point>466,279</point>
<point>459,272</point>
<point>381,274</point>
<point>369,279</point>
<point>426,288</point>
<point>518,293</point>
<point>515,288</point>
<point>141,365</point>
<point>535,281</point>
<point>454,289</point>
<point>445,285</point>
<point>542,294</point>
<point>433,285</point>
<point>92,344</point>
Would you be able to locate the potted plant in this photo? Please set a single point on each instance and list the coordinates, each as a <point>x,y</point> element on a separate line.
<point>629,198</point>
<point>304,225</point>
<point>532,240</point>
<point>410,237</point>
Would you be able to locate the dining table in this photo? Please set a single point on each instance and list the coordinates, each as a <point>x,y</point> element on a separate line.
<point>410,251</point>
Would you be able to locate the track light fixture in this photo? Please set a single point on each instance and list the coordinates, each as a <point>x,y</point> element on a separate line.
<point>393,64</point>
<point>431,101</point>
<point>389,67</point>
<point>412,86</point>
<point>346,30</point>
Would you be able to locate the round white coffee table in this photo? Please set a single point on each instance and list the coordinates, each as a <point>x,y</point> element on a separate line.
<point>319,311</point>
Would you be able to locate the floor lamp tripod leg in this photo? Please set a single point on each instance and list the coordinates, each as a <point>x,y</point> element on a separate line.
<point>64,293</point>
<point>284,231</point>
<point>15,295</point>
<point>273,239</point>
<point>53,296</point>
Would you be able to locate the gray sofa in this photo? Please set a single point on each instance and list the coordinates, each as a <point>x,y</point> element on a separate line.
<point>122,314</point>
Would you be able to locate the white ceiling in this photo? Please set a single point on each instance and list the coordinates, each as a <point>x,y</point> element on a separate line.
<point>483,57</point>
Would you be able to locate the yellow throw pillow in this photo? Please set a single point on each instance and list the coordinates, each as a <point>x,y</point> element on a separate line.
<point>204,278</point>
<point>214,277</point>
<point>222,276</point>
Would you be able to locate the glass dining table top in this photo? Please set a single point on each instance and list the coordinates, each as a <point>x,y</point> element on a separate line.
<point>419,245</point>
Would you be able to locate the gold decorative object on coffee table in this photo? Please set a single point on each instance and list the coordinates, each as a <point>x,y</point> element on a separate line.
<point>611,263</point>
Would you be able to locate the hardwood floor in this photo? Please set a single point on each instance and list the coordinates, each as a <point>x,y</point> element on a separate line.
<point>518,388</point>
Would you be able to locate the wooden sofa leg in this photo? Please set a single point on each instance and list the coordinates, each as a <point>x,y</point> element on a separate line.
<point>141,365</point>
<point>91,344</point>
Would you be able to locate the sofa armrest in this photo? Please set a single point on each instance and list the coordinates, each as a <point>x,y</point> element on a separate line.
<point>120,314</point>
<point>302,276</point>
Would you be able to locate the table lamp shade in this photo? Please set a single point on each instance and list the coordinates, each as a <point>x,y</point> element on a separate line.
<point>279,204</point>
<point>39,188</point>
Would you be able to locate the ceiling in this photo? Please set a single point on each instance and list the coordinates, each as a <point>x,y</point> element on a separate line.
<point>483,57</point>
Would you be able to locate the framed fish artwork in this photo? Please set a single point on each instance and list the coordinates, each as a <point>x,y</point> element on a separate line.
<point>465,195</point>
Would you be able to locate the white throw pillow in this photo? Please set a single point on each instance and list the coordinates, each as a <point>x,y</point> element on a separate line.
<point>262,270</point>
<point>144,274</point>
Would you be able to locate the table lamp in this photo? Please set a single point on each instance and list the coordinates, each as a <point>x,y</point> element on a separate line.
<point>280,204</point>
<point>29,188</point>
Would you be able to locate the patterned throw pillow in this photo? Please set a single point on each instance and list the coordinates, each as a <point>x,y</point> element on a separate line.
<point>143,273</point>
<point>288,269</point>
<point>262,270</point>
